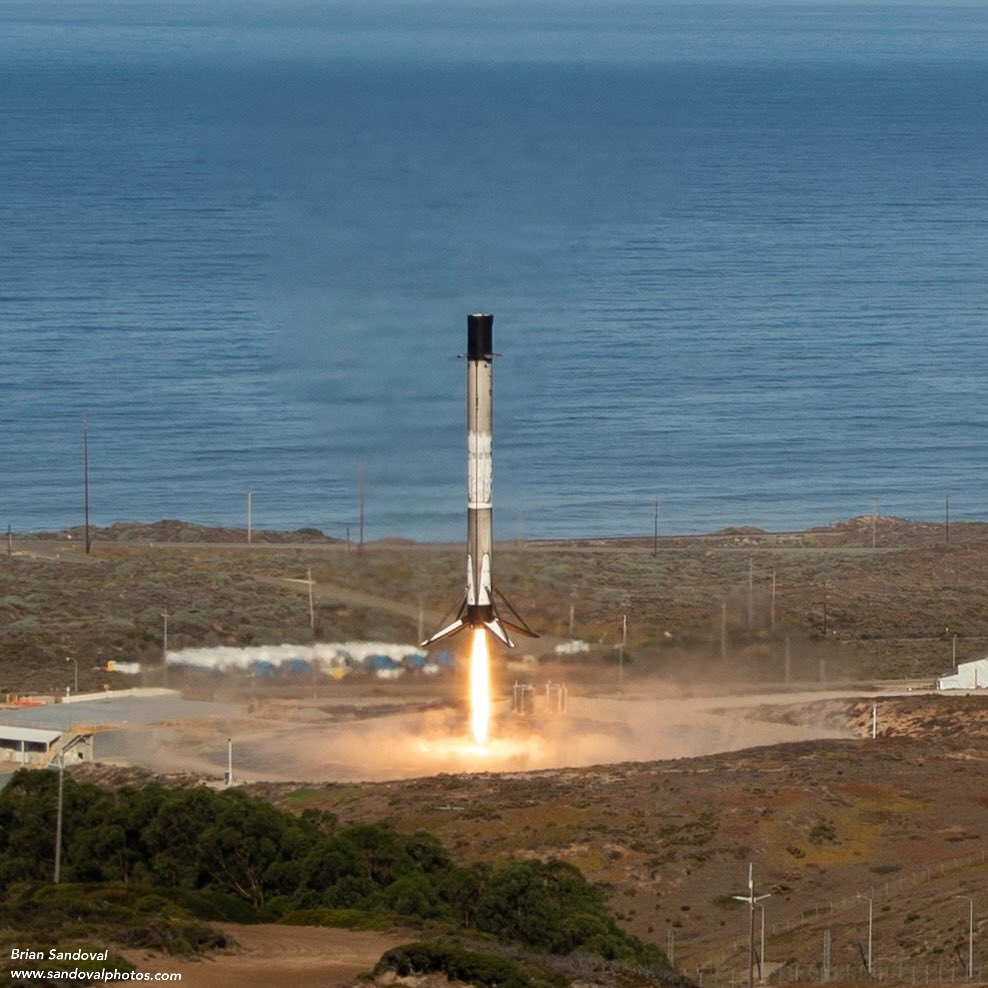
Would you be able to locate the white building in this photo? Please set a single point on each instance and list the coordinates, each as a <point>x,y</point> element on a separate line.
<point>34,746</point>
<point>969,676</point>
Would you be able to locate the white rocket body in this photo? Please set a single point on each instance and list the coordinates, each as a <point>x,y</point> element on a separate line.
<point>478,608</point>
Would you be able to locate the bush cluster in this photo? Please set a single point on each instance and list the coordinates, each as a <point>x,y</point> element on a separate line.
<point>462,965</point>
<point>226,856</point>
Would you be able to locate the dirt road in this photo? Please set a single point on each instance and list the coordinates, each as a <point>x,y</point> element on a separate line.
<point>299,956</point>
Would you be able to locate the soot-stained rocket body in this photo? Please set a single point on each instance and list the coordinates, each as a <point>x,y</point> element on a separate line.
<point>478,607</point>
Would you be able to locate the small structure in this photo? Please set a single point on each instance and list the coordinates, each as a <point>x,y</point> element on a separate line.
<point>37,747</point>
<point>969,676</point>
<point>556,698</point>
<point>522,698</point>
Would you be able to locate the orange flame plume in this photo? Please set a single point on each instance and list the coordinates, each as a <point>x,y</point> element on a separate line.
<point>480,687</point>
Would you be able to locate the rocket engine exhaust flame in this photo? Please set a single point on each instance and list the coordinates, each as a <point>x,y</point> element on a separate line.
<point>480,687</point>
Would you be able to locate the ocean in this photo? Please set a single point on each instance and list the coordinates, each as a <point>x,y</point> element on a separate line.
<point>735,252</point>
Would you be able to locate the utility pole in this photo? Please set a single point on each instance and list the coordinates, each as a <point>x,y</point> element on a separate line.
<point>68,658</point>
<point>771,619</point>
<point>361,490</point>
<point>871,905</point>
<point>60,804</point>
<point>655,532</point>
<point>624,641</point>
<point>723,630</point>
<point>752,900</point>
<point>970,935</point>
<point>250,517</point>
<point>761,951</point>
<point>57,877</point>
<point>312,608</point>
<point>946,521</point>
<point>751,594</point>
<point>164,649</point>
<point>85,480</point>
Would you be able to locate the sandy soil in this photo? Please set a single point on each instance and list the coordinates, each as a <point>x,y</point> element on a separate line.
<point>268,956</point>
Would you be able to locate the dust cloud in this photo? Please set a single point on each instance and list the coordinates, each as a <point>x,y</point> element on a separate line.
<point>592,732</point>
<point>306,742</point>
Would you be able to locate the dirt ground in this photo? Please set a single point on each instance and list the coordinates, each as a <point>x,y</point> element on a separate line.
<point>359,738</point>
<point>268,956</point>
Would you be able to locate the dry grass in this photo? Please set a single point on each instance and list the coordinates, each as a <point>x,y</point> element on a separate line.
<point>847,610</point>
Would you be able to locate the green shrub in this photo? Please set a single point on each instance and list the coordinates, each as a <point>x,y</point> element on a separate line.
<point>129,915</point>
<point>348,919</point>
<point>551,906</point>
<point>459,964</point>
<point>211,904</point>
<point>156,862</point>
<point>173,936</point>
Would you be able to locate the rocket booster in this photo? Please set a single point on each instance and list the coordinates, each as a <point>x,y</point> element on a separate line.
<point>478,607</point>
<point>480,467</point>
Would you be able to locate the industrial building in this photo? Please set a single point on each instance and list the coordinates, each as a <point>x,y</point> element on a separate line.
<point>969,676</point>
<point>33,746</point>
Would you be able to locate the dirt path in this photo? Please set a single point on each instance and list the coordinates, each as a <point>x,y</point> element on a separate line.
<point>333,593</point>
<point>268,955</point>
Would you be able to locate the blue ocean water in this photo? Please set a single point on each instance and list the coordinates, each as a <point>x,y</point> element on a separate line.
<point>735,252</point>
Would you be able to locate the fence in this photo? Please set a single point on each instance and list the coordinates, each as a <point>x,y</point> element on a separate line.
<point>901,972</point>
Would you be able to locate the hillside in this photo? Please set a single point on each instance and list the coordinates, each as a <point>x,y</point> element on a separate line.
<point>865,599</point>
<point>825,825</point>
<point>828,826</point>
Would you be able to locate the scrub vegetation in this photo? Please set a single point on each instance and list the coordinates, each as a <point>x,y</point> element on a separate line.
<point>147,867</point>
<point>863,599</point>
